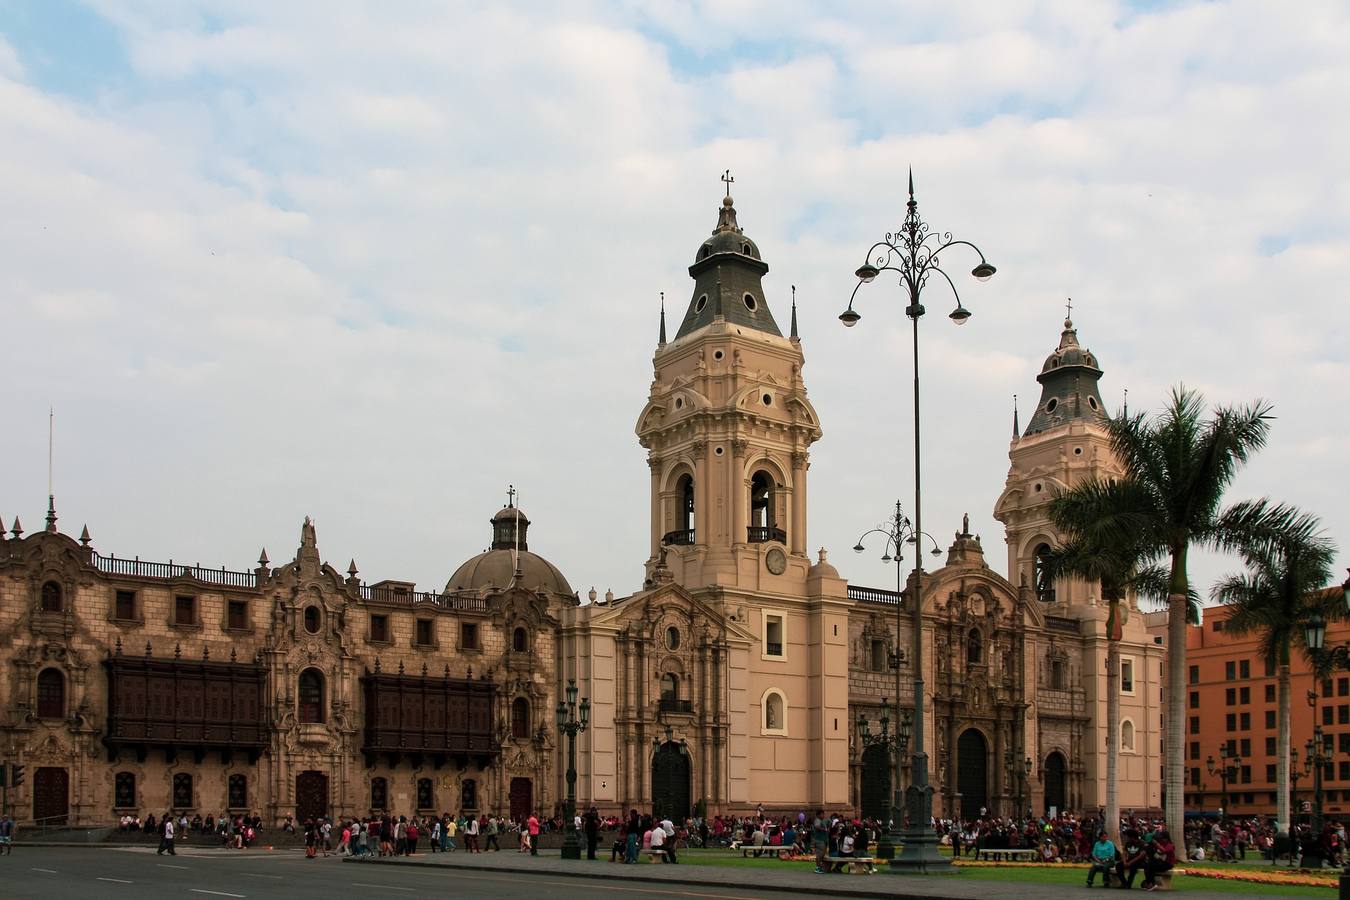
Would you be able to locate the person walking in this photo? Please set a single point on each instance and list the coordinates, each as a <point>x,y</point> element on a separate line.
<point>492,829</point>
<point>166,837</point>
<point>471,835</point>
<point>6,835</point>
<point>532,826</point>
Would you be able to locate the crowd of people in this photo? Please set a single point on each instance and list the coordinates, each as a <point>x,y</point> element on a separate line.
<point>1144,846</point>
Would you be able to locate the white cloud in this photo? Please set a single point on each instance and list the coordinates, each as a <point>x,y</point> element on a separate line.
<point>374,263</point>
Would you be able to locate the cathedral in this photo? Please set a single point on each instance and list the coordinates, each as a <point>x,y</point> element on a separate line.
<point>739,675</point>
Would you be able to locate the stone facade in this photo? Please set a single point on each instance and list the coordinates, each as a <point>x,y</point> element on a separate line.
<point>734,677</point>
<point>78,629</point>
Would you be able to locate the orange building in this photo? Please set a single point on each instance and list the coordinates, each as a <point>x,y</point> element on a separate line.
<point>1231,703</point>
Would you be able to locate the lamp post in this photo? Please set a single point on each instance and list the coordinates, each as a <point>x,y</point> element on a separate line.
<point>1023,774</point>
<point>1293,785</point>
<point>1227,770</point>
<point>899,743</point>
<point>571,725</point>
<point>897,531</point>
<point>913,254</point>
<point>1026,785</point>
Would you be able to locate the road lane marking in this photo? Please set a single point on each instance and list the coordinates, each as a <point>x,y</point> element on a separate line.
<point>256,875</point>
<point>48,871</point>
<point>383,887</point>
<point>217,893</point>
<point>167,866</point>
<point>114,880</point>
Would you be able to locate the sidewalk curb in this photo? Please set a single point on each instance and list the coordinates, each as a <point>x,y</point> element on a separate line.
<point>705,881</point>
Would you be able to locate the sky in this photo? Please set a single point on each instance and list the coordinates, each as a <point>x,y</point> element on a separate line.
<point>375,262</point>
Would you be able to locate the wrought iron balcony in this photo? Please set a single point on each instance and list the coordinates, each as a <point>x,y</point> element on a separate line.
<point>685,537</point>
<point>675,705</point>
<point>758,534</point>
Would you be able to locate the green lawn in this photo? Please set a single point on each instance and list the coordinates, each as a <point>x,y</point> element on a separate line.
<point>1074,876</point>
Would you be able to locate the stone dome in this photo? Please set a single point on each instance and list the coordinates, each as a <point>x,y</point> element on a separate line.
<point>1069,352</point>
<point>494,569</point>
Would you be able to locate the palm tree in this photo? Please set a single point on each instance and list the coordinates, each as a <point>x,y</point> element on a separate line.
<point>1176,468</point>
<point>1287,561</point>
<point>1114,567</point>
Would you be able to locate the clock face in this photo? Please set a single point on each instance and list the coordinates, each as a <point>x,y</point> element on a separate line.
<point>776,561</point>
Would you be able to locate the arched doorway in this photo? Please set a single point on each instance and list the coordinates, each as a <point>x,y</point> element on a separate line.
<point>51,796</point>
<point>875,794</point>
<point>972,773</point>
<point>522,799</point>
<point>1056,782</point>
<point>311,796</point>
<point>670,782</point>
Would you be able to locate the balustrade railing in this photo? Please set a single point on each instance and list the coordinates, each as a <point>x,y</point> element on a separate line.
<point>872,595</point>
<point>139,568</point>
<point>685,537</point>
<point>759,534</point>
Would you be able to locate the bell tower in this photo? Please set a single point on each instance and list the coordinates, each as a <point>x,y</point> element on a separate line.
<point>728,427</point>
<point>1065,443</point>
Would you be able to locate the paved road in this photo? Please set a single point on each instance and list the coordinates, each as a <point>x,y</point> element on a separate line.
<point>136,873</point>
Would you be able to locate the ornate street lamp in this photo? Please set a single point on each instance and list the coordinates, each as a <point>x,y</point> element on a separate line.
<point>899,743</point>
<point>1227,770</point>
<point>914,253</point>
<point>898,531</point>
<point>572,725</point>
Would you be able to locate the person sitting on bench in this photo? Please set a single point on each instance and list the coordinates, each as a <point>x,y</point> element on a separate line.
<point>1103,860</point>
<point>662,843</point>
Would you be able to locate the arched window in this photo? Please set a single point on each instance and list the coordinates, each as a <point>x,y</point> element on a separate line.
<point>1057,677</point>
<point>124,790</point>
<point>520,640</point>
<point>1045,585</point>
<point>182,791</point>
<point>51,597</point>
<point>520,718</point>
<point>974,647</point>
<point>763,509</point>
<point>468,794</point>
<point>426,794</point>
<point>379,794</point>
<point>670,686</point>
<point>311,696</point>
<point>672,638</point>
<point>774,712</point>
<point>51,694</point>
<point>237,792</point>
<point>312,619</point>
<point>1127,736</point>
<point>686,489</point>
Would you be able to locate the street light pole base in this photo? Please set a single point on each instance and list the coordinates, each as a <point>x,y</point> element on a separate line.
<point>920,856</point>
<point>571,848</point>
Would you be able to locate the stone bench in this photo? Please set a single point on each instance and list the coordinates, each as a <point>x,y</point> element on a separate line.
<point>766,850</point>
<point>1005,854</point>
<point>857,865</point>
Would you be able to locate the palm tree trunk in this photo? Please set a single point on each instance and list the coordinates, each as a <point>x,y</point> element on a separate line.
<point>1174,771</point>
<point>1283,813</point>
<point>1112,823</point>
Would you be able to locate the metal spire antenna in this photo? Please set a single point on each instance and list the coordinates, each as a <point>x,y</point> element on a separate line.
<point>728,181</point>
<point>51,495</point>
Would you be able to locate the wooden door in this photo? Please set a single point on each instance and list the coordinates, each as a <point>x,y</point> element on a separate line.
<point>51,796</point>
<point>670,783</point>
<point>875,796</point>
<point>311,796</point>
<point>972,773</point>
<point>522,799</point>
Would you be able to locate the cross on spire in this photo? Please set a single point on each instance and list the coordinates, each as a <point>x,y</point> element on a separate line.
<point>511,495</point>
<point>728,180</point>
<point>1068,309</point>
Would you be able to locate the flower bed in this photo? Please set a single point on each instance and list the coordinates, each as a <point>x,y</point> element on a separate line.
<point>1252,876</point>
